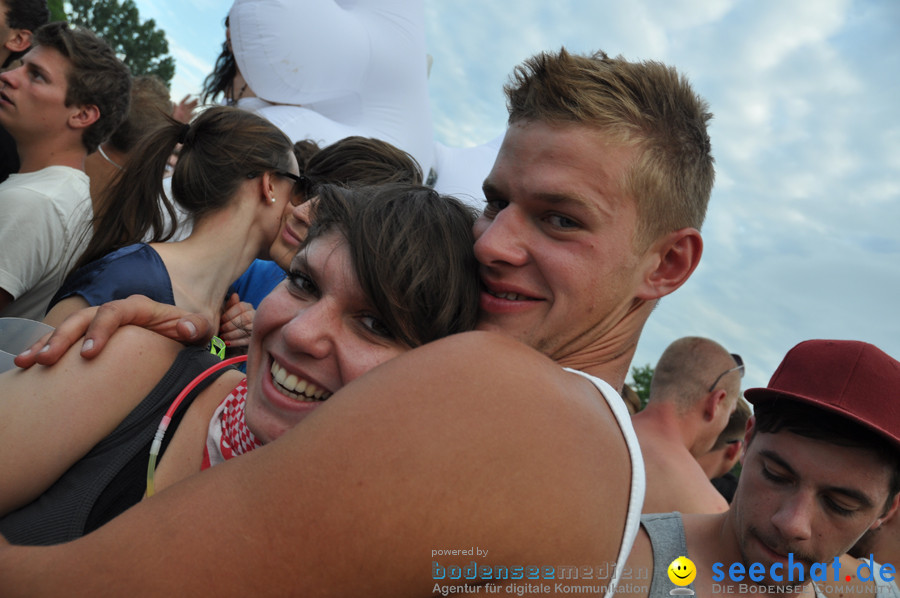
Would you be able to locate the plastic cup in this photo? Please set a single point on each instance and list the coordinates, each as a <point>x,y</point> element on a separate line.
<point>16,335</point>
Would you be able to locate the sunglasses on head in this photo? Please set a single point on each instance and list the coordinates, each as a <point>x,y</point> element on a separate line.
<point>739,367</point>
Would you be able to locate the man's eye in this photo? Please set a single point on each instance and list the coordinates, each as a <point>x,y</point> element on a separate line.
<point>769,475</point>
<point>561,221</point>
<point>492,206</point>
<point>837,508</point>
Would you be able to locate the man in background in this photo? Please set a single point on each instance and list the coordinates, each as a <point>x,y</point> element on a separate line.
<point>694,389</point>
<point>69,95</point>
<point>18,21</point>
<point>718,463</point>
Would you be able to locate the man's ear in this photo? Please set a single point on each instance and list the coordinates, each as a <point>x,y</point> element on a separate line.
<point>733,450</point>
<point>671,261</point>
<point>888,514</point>
<point>84,116</point>
<point>748,434</point>
<point>713,403</point>
<point>19,40</point>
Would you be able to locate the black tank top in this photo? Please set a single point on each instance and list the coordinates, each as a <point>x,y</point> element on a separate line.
<point>113,475</point>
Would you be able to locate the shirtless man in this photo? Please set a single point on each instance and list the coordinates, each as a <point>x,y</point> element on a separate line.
<point>478,440</point>
<point>695,386</point>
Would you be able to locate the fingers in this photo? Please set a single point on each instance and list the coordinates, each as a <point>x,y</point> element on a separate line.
<point>98,324</point>
<point>50,348</point>
<point>183,111</point>
<point>237,322</point>
<point>28,357</point>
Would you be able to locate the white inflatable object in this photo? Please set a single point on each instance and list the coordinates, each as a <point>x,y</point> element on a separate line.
<point>461,171</point>
<point>327,69</point>
<point>338,68</point>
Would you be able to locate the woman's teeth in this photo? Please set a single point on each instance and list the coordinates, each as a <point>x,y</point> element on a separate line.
<point>510,296</point>
<point>296,388</point>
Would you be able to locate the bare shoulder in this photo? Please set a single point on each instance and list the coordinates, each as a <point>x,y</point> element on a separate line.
<point>480,364</point>
<point>473,448</point>
<point>509,445</point>
<point>184,455</point>
<point>676,483</point>
<point>472,441</point>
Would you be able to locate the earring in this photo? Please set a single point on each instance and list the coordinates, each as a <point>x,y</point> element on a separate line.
<point>273,199</point>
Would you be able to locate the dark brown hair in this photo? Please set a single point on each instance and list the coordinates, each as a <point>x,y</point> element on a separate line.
<point>412,250</point>
<point>359,160</point>
<point>150,104</point>
<point>220,81</point>
<point>221,149</point>
<point>24,14</point>
<point>96,77</point>
<point>813,422</point>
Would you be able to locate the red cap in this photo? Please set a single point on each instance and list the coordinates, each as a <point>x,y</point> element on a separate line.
<point>853,379</point>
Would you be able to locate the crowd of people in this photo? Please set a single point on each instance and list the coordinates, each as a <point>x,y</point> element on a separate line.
<point>432,396</point>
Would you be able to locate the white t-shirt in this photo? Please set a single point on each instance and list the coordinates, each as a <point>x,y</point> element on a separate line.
<point>43,217</point>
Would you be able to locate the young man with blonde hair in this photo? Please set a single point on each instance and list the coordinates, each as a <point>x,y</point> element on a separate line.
<point>479,447</point>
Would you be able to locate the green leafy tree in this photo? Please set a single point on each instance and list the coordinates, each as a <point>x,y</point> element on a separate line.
<point>57,10</point>
<point>141,45</point>
<point>640,382</point>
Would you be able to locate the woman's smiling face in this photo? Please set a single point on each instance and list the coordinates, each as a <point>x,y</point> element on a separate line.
<point>313,334</point>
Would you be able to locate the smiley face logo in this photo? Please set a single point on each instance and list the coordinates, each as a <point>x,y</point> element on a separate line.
<point>682,571</point>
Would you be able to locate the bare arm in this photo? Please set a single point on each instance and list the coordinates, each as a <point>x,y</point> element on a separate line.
<point>471,441</point>
<point>51,417</point>
<point>98,324</point>
<point>64,309</point>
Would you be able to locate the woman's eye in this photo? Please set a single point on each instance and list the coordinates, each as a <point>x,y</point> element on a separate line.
<point>376,326</point>
<point>299,282</point>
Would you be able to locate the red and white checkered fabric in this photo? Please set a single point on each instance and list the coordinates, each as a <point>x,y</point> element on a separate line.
<point>229,435</point>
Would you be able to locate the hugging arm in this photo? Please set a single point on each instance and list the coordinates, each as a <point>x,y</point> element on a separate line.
<point>98,324</point>
<point>51,417</point>
<point>354,500</point>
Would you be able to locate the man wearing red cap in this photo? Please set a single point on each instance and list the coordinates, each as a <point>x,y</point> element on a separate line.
<point>821,468</point>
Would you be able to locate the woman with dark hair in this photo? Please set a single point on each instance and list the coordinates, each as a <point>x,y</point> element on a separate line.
<point>226,79</point>
<point>350,162</point>
<point>235,175</point>
<point>383,270</point>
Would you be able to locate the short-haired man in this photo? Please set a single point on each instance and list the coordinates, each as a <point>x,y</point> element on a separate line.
<point>694,389</point>
<point>69,94</point>
<point>475,447</point>
<point>820,468</point>
<point>19,19</point>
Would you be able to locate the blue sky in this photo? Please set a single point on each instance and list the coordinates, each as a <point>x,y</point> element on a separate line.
<point>801,235</point>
